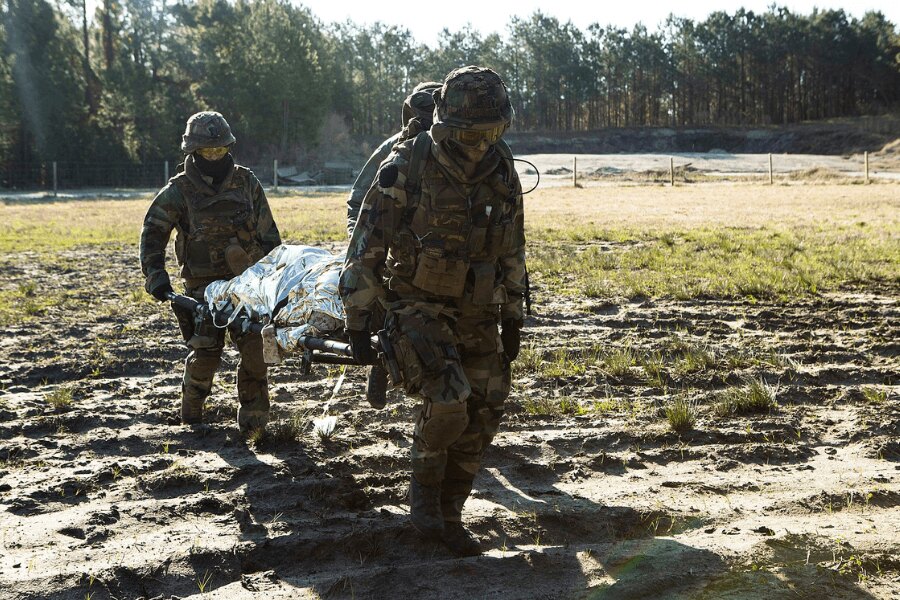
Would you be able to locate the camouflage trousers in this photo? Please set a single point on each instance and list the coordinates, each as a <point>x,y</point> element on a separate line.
<point>456,366</point>
<point>202,362</point>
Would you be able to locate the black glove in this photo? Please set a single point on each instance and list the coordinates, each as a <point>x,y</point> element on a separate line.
<point>510,336</point>
<point>160,291</point>
<point>361,346</point>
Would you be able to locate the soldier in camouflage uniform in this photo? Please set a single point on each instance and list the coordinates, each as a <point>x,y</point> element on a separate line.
<point>440,244</point>
<point>223,223</point>
<point>416,114</point>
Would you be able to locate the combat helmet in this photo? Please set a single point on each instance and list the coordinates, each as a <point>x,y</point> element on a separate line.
<point>473,98</point>
<point>420,103</point>
<point>207,129</point>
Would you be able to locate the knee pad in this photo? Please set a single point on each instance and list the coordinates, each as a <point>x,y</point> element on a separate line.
<point>442,424</point>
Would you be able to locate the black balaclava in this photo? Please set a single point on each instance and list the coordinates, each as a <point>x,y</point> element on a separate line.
<point>217,169</point>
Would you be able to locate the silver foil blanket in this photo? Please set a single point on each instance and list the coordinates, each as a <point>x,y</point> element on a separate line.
<point>304,278</point>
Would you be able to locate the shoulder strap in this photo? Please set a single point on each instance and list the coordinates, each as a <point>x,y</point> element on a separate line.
<point>506,154</point>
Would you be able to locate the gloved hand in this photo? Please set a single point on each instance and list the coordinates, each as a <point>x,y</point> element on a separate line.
<point>160,291</point>
<point>361,346</point>
<point>510,336</point>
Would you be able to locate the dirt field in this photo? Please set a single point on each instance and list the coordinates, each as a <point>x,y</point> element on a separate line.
<point>593,489</point>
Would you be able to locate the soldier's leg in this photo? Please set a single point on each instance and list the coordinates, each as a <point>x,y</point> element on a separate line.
<point>200,365</point>
<point>431,369</point>
<point>199,369</point>
<point>252,385</point>
<point>489,377</point>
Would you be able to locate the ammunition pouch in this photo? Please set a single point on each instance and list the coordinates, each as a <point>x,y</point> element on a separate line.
<point>501,237</point>
<point>439,274</point>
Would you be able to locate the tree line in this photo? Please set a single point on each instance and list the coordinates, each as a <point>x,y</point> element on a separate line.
<point>117,86</point>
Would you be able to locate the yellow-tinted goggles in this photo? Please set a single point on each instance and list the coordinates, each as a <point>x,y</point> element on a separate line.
<point>473,137</point>
<point>213,153</point>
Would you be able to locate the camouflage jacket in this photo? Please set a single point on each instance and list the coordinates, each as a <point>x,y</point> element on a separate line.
<point>456,245</point>
<point>364,180</point>
<point>206,221</point>
<point>367,176</point>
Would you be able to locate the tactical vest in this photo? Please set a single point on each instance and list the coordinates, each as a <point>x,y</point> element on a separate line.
<point>453,236</point>
<point>213,224</point>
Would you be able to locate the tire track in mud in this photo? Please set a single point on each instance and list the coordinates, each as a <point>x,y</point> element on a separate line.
<point>110,496</point>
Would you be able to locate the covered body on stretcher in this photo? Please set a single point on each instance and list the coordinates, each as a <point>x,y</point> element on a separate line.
<point>293,293</point>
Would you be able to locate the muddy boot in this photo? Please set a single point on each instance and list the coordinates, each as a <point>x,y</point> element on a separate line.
<point>460,540</point>
<point>253,415</point>
<point>425,509</point>
<point>191,406</point>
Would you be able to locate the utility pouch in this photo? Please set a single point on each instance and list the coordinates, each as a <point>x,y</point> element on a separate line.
<point>476,240</point>
<point>483,288</point>
<point>501,237</point>
<point>440,275</point>
<point>409,368</point>
<point>401,258</point>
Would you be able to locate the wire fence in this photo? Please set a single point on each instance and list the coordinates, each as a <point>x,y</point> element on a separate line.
<point>556,169</point>
<point>58,176</point>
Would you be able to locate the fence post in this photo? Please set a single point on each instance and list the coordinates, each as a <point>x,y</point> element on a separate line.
<point>672,171</point>
<point>867,166</point>
<point>275,176</point>
<point>574,171</point>
<point>55,183</point>
<point>771,176</point>
<point>165,172</point>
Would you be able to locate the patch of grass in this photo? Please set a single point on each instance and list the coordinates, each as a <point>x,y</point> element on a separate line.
<point>681,414</point>
<point>619,363</point>
<point>528,362</point>
<point>24,303</point>
<point>755,396</point>
<point>874,395</point>
<point>693,359</point>
<point>564,362</point>
<point>564,405</point>
<point>727,262</point>
<point>60,398</point>
<point>654,364</point>
<point>289,429</point>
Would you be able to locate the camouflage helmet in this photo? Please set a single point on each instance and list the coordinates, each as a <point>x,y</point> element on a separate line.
<point>473,97</point>
<point>420,103</point>
<point>207,129</point>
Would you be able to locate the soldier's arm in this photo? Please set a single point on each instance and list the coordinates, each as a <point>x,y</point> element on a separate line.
<point>512,264</point>
<point>361,284</point>
<point>266,230</point>
<point>161,217</point>
<point>364,181</point>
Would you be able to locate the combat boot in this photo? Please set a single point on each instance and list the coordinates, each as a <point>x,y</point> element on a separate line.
<point>191,408</point>
<point>253,415</point>
<point>460,540</point>
<point>425,509</point>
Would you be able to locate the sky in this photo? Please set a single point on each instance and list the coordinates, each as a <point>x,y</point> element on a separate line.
<point>426,23</point>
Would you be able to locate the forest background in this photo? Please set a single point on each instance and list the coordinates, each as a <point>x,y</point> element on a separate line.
<point>118,85</point>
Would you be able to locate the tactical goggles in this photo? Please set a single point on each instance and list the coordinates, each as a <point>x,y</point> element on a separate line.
<point>474,137</point>
<point>212,153</point>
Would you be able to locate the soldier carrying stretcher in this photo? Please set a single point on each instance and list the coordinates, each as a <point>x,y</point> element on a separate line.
<point>440,245</point>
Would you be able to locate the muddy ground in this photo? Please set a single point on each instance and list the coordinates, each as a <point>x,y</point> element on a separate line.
<point>111,498</point>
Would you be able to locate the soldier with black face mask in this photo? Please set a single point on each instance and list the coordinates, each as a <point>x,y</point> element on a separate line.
<point>223,225</point>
